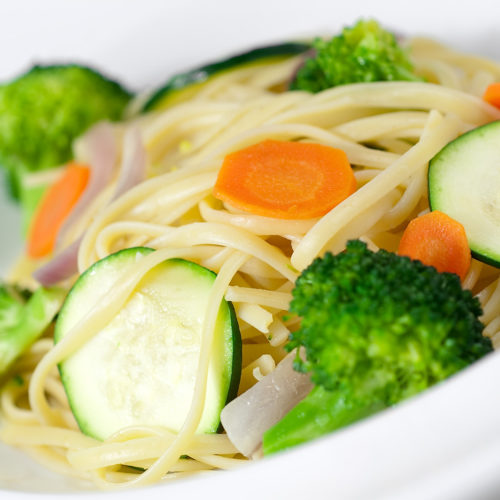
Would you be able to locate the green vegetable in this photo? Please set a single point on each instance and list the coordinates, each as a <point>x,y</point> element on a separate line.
<point>140,368</point>
<point>464,181</point>
<point>30,199</point>
<point>377,329</point>
<point>183,86</point>
<point>364,52</point>
<point>24,318</point>
<point>45,109</point>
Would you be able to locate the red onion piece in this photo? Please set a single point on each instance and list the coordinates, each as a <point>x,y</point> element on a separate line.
<point>102,149</point>
<point>133,167</point>
<point>247,417</point>
<point>100,143</point>
<point>61,267</point>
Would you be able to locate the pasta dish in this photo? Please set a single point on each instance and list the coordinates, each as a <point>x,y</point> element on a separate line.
<point>158,241</point>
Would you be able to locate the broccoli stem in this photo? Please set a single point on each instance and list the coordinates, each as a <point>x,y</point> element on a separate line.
<point>35,317</point>
<point>320,412</point>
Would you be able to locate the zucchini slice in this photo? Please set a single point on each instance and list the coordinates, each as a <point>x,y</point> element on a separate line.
<point>183,86</point>
<point>464,183</point>
<point>140,369</point>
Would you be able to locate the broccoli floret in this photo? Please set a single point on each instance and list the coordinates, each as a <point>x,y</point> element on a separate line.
<point>23,318</point>
<point>377,328</point>
<point>45,109</point>
<point>364,52</point>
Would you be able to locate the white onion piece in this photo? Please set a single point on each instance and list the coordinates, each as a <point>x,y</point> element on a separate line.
<point>247,417</point>
<point>100,144</point>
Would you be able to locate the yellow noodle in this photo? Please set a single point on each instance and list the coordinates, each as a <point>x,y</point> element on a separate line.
<point>254,315</point>
<point>255,370</point>
<point>269,298</point>
<point>375,127</point>
<point>439,131</point>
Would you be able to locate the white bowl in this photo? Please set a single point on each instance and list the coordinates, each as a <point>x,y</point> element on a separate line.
<point>443,444</point>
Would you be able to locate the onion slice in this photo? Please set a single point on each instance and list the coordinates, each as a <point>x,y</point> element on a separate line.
<point>100,144</point>
<point>102,152</point>
<point>133,167</point>
<point>61,267</point>
<point>247,417</point>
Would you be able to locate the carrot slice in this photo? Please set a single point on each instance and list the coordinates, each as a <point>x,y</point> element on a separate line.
<point>437,240</point>
<point>286,180</point>
<point>55,206</point>
<point>492,94</point>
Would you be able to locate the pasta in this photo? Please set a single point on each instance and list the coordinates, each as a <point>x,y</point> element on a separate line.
<point>389,131</point>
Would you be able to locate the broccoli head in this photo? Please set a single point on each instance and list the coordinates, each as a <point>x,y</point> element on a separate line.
<point>377,328</point>
<point>44,110</point>
<point>364,52</point>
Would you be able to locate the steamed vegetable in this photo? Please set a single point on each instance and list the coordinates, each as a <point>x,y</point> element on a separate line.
<point>246,418</point>
<point>287,180</point>
<point>184,86</point>
<point>24,317</point>
<point>364,52</point>
<point>437,240</point>
<point>492,94</point>
<point>45,109</point>
<point>464,181</point>
<point>377,328</point>
<point>140,368</point>
<point>55,206</point>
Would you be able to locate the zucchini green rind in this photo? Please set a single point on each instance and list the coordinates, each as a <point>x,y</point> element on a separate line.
<point>140,369</point>
<point>183,86</point>
<point>464,183</point>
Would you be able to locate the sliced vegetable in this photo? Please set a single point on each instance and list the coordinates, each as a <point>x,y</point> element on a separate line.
<point>185,85</point>
<point>99,144</point>
<point>23,319</point>
<point>286,180</point>
<point>437,240</point>
<point>464,182</point>
<point>246,418</point>
<point>492,94</point>
<point>140,369</point>
<point>54,207</point>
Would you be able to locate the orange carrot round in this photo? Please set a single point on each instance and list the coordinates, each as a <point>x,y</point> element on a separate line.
<point>437,240</point>
<point>492,94</point>
<point>54,207</point>
<point>286,180</point>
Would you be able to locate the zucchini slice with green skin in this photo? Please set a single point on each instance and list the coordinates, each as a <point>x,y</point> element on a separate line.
<point>183,86</point>
<point>464,183</point>
<point>140,369</point>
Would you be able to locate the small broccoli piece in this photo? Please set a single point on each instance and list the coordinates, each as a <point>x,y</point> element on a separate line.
<point>364,52</point>
<point>45,109</point>
<point>377,328</point>
<point>23,318</point>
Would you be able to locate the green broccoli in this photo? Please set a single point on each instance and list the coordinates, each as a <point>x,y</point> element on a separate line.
<point>362,53</point>
<point>23,318</point>
<point>377,328</point>
<point>45,109</point>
